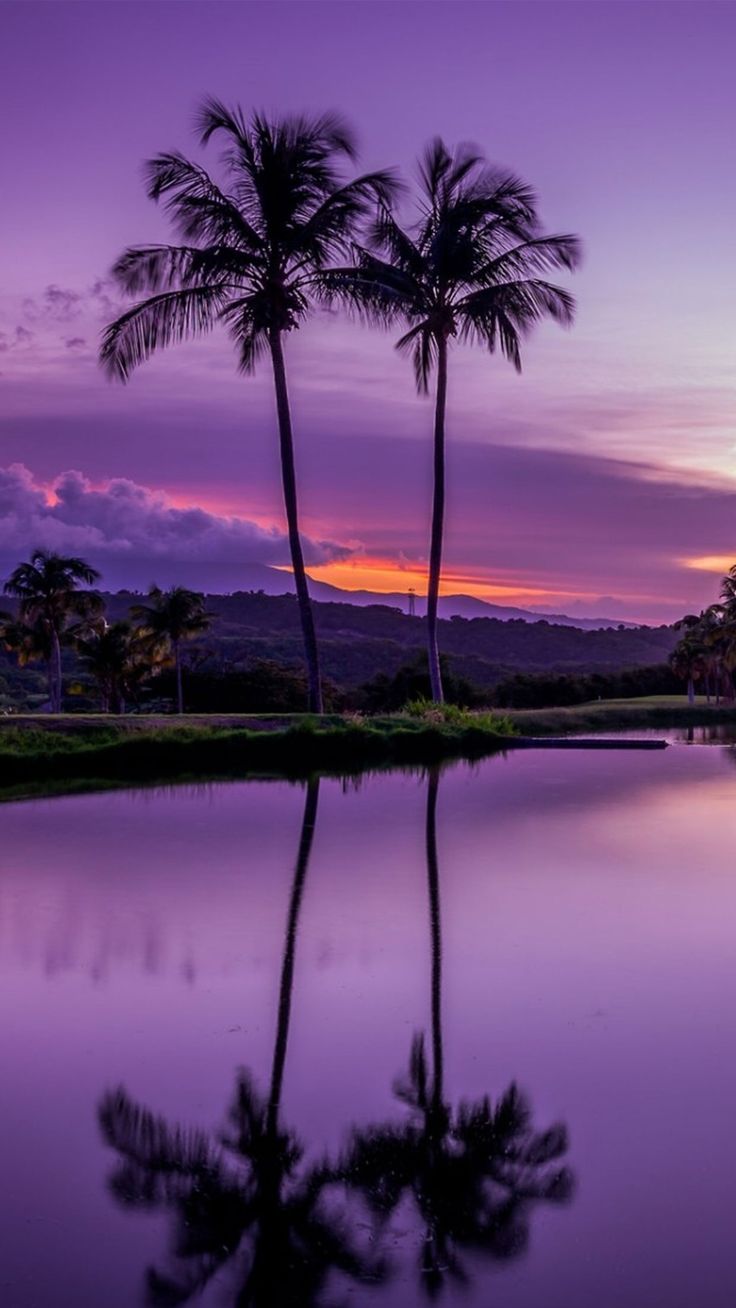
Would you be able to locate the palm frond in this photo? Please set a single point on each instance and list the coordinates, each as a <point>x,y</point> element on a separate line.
<point>147,1140</point>
<point>434,166</point>
<point>328,230</point>
<point>388,238</point>
<point>373,291</point>
<point>214,116</point>
<point>200,210</point>
<point>501,316</point>
<point>534,255</point>
<point>161,320</point>
<point>155,268</point>
<point>420,341</point>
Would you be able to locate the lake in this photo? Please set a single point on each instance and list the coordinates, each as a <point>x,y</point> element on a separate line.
<point>464,1037</point>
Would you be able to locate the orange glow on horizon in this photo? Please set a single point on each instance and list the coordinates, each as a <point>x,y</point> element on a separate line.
<point>384,577</point>
<point>718,563</point>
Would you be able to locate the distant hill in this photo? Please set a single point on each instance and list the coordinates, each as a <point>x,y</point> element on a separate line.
<point>223,579</point>
<point>361,643</point>
<point>357,642</point>
<point>461,606</point>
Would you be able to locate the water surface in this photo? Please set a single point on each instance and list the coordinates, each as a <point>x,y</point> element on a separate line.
<point>562,922</point>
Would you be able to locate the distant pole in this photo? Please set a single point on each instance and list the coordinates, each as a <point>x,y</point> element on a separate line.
<point>412,602</point>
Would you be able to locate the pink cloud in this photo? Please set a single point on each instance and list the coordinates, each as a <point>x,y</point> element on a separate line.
<point>123,519</point>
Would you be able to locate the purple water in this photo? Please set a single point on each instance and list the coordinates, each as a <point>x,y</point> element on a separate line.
<point>588,936</point>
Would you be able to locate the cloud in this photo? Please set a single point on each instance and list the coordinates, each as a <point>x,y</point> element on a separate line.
<point>57,304</point>
<point>62,304</point>
<point>123,520</point>
<point>75,343</point>
<point>14,340</point>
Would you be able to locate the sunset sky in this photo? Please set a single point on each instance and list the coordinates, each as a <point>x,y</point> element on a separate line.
<point>601,480</point>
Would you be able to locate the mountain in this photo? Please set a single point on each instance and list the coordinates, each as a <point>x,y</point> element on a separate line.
<point>230,578</point>
<point>357,642</point>
<point>461,606</point>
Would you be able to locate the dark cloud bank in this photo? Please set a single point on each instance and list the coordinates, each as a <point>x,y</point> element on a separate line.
<point>133,534</point>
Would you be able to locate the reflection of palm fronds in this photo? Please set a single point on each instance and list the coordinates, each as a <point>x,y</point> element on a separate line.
<point>472,1173</point>
<point>241,1202</point>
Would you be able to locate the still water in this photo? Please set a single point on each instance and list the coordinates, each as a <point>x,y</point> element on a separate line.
<point>463,1037</point>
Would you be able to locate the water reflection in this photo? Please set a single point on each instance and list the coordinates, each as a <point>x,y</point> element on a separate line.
<point>472,1172</point>
<point>245,1201</point>
<point>250,1211</point>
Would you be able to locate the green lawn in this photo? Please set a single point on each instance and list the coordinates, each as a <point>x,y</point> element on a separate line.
<point>624,714</point>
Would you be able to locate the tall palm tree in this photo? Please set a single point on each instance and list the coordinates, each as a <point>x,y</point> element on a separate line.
<point>470,268</point>
<point>172,617</point>
<point>50,601</point>
<point>253,258</point>
<point>472,1172</point>
<point>243,1205</point>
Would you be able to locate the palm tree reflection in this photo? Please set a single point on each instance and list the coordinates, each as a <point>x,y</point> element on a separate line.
<point>275,1230</point>
<point>474,1172</point>
<point>245,1208</point>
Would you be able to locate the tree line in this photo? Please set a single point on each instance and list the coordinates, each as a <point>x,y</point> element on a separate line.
<point>57,607</point>
<point>287,233</point>
<point>134,652</point>
<point>705,654</point>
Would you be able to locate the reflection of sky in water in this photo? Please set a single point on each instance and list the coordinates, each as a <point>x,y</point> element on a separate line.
<point>588,927</point>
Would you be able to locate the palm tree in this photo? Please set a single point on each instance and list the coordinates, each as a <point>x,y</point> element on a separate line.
<point>687,659</point>
<point>469,268</point>
<point>243,1203</point>
<point>30,642</point>
<point>116,657</point>
<point>728,588</point>
<point>253,259</point>
<point>472,1172</point>
<point>707,649</point>
<point>174,616</point>
<point>47,588</point>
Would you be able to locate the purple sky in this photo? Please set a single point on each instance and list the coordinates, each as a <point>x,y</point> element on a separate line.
<point>605,472</point>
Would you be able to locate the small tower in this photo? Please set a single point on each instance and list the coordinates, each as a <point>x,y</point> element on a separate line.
<point>412,602</point>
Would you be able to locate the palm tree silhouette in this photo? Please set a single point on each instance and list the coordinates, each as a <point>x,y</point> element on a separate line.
<point>253,260</point>
<point>173,616</point>
<point>117,658</point>
<point>51,608</point>
<point>243,1204</point>
<point>470,267</point>
<point>29,641</point>
<point>472,1172</point>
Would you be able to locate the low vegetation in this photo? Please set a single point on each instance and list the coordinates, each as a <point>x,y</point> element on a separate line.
<point>247,657</point>
<point>58,754</point>
<point>134,750</point>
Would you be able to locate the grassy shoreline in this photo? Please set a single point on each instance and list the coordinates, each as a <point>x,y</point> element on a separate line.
<point>657,711</point>
<point>100,749</point>
<point>89,751</point>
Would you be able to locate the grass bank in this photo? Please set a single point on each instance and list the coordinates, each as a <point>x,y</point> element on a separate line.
<point>36,754</point>
<point>42,755</point>
<point>661,711</point>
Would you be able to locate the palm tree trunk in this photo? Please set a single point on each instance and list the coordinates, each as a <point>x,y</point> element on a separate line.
<point>179,686</point>
<point>287,965</point>
<point>690,691</point>
<point>288,477</point>
<point>55,678</point>
<point>438,522</point>
<point>50,674</point>
<point>435,932</point>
